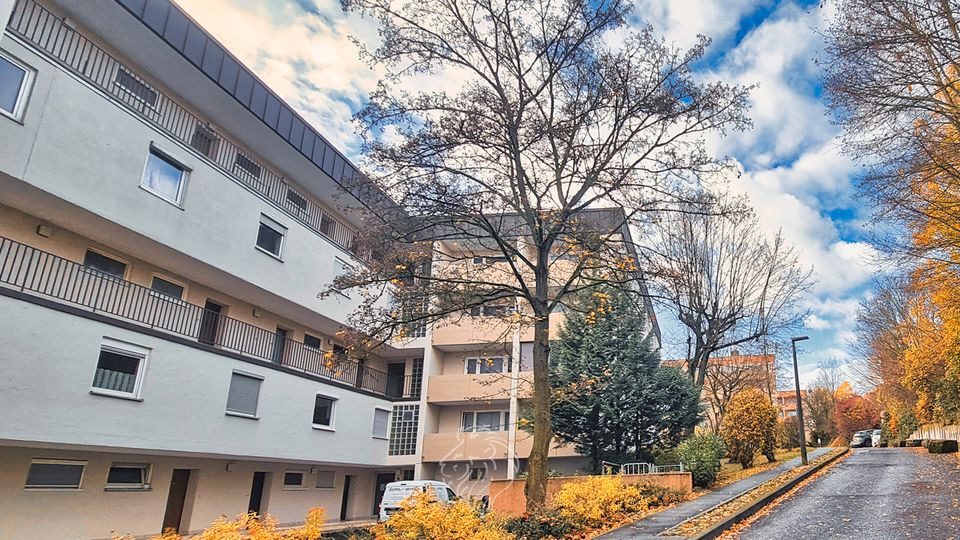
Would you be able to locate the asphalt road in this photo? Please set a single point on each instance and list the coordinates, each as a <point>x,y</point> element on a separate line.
<point>875,494</point>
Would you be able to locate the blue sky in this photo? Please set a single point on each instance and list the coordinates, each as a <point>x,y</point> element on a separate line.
<point>793,169</point>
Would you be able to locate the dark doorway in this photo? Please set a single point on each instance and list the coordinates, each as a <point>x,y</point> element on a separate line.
<point>382,480</point>
<point>395,375</point>
<point>279,344</point>
<point>256,493</point>
<point>360,367</point>
<point>175,499</point>
<point>346,497</point>
<point>210,322</point>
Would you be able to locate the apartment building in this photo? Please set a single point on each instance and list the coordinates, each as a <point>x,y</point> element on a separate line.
<point>166,225</point>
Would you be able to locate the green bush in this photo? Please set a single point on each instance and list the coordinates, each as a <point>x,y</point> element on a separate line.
<point>942,447</point>
<point>701,456</point>
<point>535,527</point>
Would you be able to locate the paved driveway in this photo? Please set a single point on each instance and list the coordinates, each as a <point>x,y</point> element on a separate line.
<point>875,494</point>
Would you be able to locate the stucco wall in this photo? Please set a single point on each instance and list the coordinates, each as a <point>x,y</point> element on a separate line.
<point>183,397</point>
<point>93,512</point>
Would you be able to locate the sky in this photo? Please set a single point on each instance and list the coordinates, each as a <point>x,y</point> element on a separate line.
<point>794,171</point>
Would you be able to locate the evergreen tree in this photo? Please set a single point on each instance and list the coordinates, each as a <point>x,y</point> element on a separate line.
<point>612,400</point>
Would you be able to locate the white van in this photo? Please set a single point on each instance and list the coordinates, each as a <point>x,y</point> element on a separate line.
<point>396,492</point>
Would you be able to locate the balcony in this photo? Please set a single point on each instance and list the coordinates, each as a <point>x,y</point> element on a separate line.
<point>41,274</point>
<point>77,54</point>
<point>460,446</point>
<point>460,388</point>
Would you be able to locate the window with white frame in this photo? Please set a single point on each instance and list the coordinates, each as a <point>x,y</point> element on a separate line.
<point>164,177</point>
<point>270,236</point>
<point>381,423</point>
<point>486,364</point>
<point>326,479</point>
<point>295,480</point>
<point>120,369</point>
<point>478,421</point>
<point>324,408</point>
<point>132,476</point>
<point>244,394</point>
<point>55,474</point>
<point>15,82</point>
<point>478,473</point>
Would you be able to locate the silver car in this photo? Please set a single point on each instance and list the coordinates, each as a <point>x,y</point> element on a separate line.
<point>875,438</point>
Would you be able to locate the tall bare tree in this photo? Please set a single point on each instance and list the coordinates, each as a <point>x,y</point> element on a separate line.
<point>727,282</point>
<point>559,109</point>
<point>728,375</point>
<point>891,80</point>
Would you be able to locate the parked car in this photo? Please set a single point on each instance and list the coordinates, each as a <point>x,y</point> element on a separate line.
<point>861,439</point>
<point>397,492</point>
<point>875,438</point>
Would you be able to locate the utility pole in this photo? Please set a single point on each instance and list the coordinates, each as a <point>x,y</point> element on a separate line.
<point>796,383</point>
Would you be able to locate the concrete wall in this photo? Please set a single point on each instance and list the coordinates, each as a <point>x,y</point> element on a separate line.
<point>507,498</point>
<point>94,512</point>
<point>49,360</point>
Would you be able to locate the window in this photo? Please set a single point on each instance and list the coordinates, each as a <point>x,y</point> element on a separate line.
<point>120,369</point>
<point>476,421</point>
<point>163,177</point>
<point>244,394</point>
<point>167,288</point>
<point>129,476</point>
<point>492,364</point>
<point>294,480</point>
<point>15,80</point>
<point>138,89</point>
<point>270,236</point>
<point>55,474</point>
<point>297,200</point>
<point>248,166</point>
<point>341,268</point>
<point>326,224</point>
<point>497,310</point>
<point>489,259</point>
<point>323,412</point>
<point>326,479</point>
<point>312,342</point>
<point>381,420</point>
<point>478,473</point>
<point>105,265</point>
<point>204,140</point>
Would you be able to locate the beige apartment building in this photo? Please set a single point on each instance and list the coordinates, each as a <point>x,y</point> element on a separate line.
<point>166,224</point>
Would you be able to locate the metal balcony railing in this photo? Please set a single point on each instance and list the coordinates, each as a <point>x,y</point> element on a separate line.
<point>79,55</point>
<point>43,274</point>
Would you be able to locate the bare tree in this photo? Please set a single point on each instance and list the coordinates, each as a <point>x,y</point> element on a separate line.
<point>727,282</point>
<point>891,75</point>
<point>560,110</point>
<point>730,374</point>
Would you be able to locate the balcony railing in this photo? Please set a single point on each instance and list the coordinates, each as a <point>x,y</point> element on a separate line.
<point>71,50</point>
<point>43,274</point>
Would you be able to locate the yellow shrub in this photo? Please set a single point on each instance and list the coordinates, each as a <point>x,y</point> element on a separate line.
<point>422,518</point>
<point>594,501</point>
<point>249,527</point>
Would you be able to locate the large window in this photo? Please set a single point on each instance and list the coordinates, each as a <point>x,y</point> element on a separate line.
<point>55,474</point>
<point>120,369</point>
<point>381,422</point>
<point>164,177</point>
<point>244,394</point>
<point>323,411</point>
<point>474,421</point>
<point>270,236</point>
<point>105,265</point>
<point>487,364</point>
<point>15,80</point>
<point>132,476</point>
<point>167,288</point>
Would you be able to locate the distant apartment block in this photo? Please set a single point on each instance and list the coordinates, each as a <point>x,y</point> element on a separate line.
<point>166,225</point>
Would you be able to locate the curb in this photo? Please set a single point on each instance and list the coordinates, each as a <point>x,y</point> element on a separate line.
<point>728,522</point>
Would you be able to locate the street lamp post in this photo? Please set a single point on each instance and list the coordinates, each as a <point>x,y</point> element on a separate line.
<point>796,382</point>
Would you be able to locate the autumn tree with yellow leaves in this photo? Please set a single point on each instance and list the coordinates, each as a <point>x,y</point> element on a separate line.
<point>750,426</point>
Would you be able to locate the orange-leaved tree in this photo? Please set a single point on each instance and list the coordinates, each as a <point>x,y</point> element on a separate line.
<point>750,426</point>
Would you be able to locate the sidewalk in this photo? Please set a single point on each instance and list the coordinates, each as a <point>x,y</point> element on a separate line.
<point>649,527</point>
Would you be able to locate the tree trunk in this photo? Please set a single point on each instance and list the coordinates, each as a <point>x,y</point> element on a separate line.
<point>536,486</point>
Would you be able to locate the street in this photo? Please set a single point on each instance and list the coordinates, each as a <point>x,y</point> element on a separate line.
<point>876,493</point>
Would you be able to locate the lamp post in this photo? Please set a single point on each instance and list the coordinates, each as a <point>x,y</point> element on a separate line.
<point>796,382</point>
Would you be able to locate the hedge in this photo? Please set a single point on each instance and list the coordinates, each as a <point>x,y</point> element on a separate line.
<point>942,447</point>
